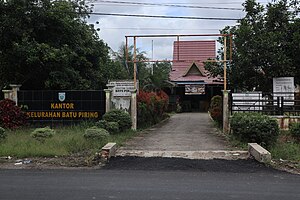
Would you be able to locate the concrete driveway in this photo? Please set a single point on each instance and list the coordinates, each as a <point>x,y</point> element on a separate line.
<point>190,135</point>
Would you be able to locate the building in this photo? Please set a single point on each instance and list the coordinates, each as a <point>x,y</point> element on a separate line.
<point>193,87</point>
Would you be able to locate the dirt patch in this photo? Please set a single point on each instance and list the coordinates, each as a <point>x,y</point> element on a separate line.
<point>285,165</point>
<point>77,161</point>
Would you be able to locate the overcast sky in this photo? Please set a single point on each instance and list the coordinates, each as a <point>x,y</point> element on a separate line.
<point>114,29</point>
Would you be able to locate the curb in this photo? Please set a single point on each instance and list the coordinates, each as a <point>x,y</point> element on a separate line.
<point>205,155</point>
<point>259,153</point>
<point>108,151</point>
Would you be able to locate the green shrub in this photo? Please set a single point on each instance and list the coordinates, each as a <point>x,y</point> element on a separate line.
<point>216,109</point>
<point>255,127</point>
<point>101,124</point>
<point>3,134</point>
<point>295,130</point>
<point>95,133</point>
<point>120,116</point>
<point>41,134</point>
<point>111,127</point>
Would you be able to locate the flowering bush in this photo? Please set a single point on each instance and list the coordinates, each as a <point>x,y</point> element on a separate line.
<point>151,107</point>
<point>11,116</point>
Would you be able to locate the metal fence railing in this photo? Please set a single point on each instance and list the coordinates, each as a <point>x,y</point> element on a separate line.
<point>268,103</point>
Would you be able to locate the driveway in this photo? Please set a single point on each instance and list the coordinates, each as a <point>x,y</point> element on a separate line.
<point>183,135</point>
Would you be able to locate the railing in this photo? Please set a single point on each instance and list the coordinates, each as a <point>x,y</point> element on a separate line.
<point>269,103</point>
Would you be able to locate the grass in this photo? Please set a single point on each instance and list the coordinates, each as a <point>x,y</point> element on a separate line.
<point>66,141</point>
<point>286,148</point>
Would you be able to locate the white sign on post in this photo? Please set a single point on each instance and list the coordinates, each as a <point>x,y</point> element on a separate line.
<point>284,87</point>
<point>122,88</point>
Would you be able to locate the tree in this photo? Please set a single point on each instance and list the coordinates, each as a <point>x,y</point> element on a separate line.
<point>159,78</point>
<point>47,44</point>
<point>266,45</point>
<point>127,63</point>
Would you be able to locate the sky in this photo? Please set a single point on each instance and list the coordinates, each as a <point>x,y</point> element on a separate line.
<point>113,29</point>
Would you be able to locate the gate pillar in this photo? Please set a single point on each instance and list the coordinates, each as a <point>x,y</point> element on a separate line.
<point>107,100</point>
<point>133,109</point>
<point>226,111</point>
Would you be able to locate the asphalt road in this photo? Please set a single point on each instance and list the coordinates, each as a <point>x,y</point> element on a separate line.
<point>142,179</point>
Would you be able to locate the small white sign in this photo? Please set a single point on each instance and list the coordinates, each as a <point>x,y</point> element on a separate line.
<point>284,87</point>
<point>122,88</point>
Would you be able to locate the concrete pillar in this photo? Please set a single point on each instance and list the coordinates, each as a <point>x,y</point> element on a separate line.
<point>14,95</point>
<point>7,94</point>
<point>226,111</point>
<point>107,99</point>
<point>133,109</point>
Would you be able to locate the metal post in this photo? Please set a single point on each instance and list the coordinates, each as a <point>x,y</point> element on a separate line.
<point>177,47</point>
<point>230,49</point>
<point>281,105</point>
<point>126,48</point>
<point>134,62</point>
<point>152,59</point>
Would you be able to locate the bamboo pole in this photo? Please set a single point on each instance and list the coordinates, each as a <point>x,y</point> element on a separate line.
<point>225,66</point>
<point>134,62</point>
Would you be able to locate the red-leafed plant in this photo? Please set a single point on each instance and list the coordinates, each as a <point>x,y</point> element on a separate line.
<point>151,107</point>
<point>11,116</point>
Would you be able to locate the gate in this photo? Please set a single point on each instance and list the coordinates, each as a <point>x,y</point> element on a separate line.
<point>266,103</point>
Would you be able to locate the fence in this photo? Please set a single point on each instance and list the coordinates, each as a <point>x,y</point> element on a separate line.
<point>62,106</point>
<point>267,103</point>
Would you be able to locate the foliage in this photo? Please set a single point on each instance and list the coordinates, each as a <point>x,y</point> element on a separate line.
<point>287,151</point>
<point>295,130</point>
<point>95,133</point>
<point>41,134</point>
<point>216,109</point>
<point>68,140</point>
<point>11,116</point>
<point>151,107</point>
<point>266,45</point>
<point>142,70</point>
<point>3,134</point>
<point>119,116</point>
<point>47,44</point>
<point>255,127</point>
<point>111,127</point>
<point>157,80</point>
<point>101,124</point>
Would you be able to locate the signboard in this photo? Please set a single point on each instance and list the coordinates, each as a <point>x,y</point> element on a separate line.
<point>62,105</point>
<point>246,101</point>
<point>122,88</point>
<point>194,89</point>
<point>284,87</point>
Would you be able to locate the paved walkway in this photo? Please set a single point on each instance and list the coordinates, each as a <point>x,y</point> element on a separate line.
<point>185,135</point>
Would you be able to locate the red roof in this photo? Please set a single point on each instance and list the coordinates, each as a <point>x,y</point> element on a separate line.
<point>192,52</point>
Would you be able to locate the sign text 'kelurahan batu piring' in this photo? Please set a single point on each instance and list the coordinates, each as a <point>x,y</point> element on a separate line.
<point>62,106</point>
